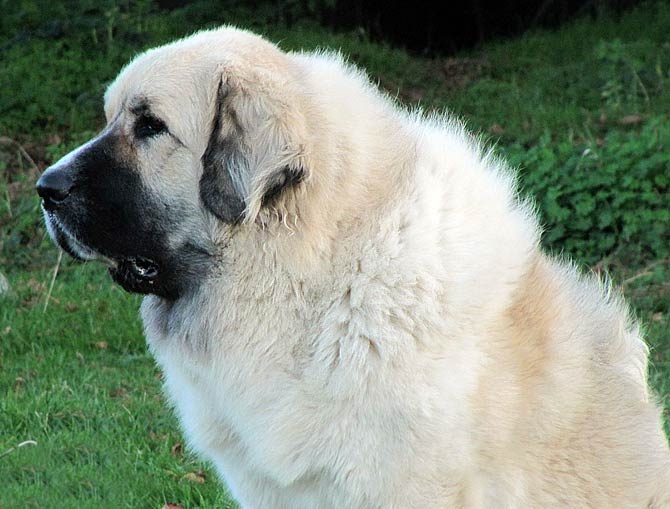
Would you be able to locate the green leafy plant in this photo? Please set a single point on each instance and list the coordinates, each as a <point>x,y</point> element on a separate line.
<point>601,197</point>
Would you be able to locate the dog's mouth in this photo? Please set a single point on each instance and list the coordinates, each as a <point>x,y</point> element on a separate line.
<point>142,268</point>
<point>69,242</point>
<point>134,273</point>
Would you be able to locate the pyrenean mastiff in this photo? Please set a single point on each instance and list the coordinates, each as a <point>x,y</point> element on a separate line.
<point>348,300</point>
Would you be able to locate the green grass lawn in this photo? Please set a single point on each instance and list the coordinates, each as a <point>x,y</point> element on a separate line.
<point>583,111</point>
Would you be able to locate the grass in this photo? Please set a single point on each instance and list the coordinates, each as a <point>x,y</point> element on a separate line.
<point>78,380</point>
<point>583,111</point>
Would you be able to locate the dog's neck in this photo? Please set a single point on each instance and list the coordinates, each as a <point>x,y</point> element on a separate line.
<point>353,179</point>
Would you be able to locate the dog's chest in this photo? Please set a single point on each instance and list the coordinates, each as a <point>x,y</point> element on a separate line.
<point>244,402</point>
<point>282,396</point>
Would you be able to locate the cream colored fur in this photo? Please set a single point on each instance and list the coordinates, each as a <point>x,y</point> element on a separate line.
<point>388,334</point>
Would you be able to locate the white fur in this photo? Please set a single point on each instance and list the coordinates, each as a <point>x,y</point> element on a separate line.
<point>389,334</point>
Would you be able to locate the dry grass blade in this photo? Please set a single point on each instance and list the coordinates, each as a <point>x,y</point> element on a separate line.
<point>644,272</point>
<point>8,141</point>
<point>53,280</point>
<point>12,449</point>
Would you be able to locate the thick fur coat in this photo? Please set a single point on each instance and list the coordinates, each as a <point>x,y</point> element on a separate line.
<point>377,326</point>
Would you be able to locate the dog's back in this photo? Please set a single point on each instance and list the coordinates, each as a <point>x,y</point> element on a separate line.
<point>582,427</point>
<point>561,414</point>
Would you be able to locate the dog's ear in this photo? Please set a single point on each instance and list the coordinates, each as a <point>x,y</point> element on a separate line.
<point>252,156</point>
<point>221,163</point>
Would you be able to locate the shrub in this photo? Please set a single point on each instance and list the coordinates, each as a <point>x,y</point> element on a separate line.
<point>598,197</point>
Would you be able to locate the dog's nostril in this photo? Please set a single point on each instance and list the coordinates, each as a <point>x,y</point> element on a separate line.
<point>52,195</point>
<point>54,185</point>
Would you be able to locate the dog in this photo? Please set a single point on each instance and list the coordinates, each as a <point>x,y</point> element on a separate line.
<point>348,299</point>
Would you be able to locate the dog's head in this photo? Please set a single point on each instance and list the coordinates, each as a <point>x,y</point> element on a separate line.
<point>203,134</point>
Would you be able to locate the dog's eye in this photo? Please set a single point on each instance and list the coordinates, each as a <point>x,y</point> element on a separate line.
<point>147,126</point>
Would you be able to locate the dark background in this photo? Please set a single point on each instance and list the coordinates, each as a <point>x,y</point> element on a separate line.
<point>429,27</point>
<point>424,28</point>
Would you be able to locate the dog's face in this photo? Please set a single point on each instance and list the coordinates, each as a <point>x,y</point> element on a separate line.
<point>198,140</point>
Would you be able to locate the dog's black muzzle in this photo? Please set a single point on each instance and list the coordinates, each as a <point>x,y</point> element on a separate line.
<point>97,207</point>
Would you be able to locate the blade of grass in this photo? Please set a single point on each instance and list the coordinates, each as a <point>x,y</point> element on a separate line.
<point>53,280</point>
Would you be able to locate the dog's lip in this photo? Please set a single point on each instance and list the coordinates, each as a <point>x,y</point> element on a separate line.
<point>143,268</point>
<point>69,242</point>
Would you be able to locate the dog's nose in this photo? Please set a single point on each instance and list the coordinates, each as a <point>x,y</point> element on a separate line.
<point>54,185</point>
